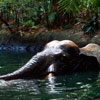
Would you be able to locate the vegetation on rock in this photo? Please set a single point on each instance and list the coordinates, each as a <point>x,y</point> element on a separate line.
<point>32,16</point>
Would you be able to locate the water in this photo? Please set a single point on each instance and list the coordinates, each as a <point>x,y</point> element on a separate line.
<point>79,86</point>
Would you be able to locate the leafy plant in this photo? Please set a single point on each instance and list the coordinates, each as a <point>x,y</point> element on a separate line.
<point>69,6</point>
<point>76,6</point>
<point>51,16</point>
<point>51,13</point>
<point>90,8</point>
<point>91,26</point>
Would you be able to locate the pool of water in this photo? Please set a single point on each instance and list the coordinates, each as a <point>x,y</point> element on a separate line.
<point>78,86</point>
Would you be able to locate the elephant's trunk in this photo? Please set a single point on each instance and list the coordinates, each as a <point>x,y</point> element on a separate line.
<point>35,67</point>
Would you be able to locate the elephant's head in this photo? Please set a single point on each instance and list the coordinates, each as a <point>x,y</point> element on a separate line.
<point>65,48</point>
<point>71,60</point>
<point>62,61</point>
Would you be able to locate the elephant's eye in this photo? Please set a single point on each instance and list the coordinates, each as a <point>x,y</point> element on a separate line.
<point>64,54</point>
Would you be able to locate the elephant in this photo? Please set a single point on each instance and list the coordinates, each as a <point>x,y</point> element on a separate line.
<point>91,49</point>
<point>58,57</point>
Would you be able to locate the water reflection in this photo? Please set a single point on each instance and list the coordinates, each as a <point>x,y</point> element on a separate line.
<point>70,83</point>
<point>51,85</point>
<point>54,88</point>
<point>77,86</point>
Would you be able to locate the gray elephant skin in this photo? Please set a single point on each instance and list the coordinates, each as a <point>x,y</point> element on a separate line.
<point>58,57</point>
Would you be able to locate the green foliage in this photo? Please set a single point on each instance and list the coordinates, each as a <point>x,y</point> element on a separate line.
<point>67,26</point>
<point>30,13</point>
<point>51,16</point>
<point>76,6</point>
<point>27,13</point>
<point>51,13</point>
<point>17,10</point>
<point>91,26</point>
<point>70,6</point>
<point>90,8</point>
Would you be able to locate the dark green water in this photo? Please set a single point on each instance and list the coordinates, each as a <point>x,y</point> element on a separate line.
<point>79,86</point>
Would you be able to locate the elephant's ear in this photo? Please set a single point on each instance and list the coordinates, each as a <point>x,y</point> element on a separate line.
<point>88,63</point>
